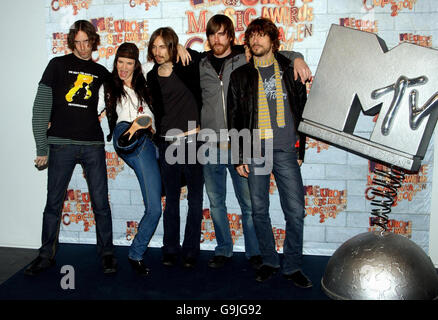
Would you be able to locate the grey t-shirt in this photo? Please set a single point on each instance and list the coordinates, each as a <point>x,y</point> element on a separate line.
<point>284,137</point>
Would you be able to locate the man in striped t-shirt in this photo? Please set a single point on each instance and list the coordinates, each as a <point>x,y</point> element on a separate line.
<point>67,131</point>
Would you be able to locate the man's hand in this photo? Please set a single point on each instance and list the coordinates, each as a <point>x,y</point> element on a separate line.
<point>302,69</point>
<point>300,162</point>
<point>184,55</point>
<point>248,54</point>
<point>243,170</point>
<point>41,161</point>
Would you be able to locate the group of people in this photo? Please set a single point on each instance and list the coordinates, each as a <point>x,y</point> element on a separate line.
<point>167,102</point>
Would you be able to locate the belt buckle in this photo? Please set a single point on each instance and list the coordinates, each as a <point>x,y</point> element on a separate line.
<point>223,145</point>
<point>190,138</point>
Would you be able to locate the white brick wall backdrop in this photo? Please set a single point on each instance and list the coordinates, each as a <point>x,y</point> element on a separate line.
<point>335,180</point>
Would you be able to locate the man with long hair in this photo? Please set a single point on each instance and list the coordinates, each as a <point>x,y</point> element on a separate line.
<point>265,98</point>
<point>67,98</point>
<point>176,100</point>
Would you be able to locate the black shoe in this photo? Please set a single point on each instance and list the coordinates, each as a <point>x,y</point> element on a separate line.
<point>218,261</point>
<point>189,262</point>
<point>299,279</point>
<point>109,264</point>
<point>39,265</point>
<point>256,262</point>
<point>265,272</point>
<point>139,267</point>
<point>169,259</point>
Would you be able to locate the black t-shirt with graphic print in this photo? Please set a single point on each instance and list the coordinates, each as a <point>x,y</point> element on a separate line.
<point>75,87</point>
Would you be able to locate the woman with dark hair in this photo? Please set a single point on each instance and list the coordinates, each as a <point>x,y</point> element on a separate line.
<point>132,124</point>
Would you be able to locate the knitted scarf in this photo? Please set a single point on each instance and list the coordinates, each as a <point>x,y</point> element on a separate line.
<point>263,111</point>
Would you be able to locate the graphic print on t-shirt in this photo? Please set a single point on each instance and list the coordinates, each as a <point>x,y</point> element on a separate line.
<point>270,88</point>
<point>80,90</point>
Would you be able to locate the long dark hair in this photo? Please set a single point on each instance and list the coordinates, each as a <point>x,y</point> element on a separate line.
<point>115,90</point>
<point>88,28</point>
<point>170,39</point>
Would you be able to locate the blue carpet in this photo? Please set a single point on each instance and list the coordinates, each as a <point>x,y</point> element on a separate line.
<point>233,282</point>
<point>177,293</point>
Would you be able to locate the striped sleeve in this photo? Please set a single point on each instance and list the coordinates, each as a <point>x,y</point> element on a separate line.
<point>42,108</point>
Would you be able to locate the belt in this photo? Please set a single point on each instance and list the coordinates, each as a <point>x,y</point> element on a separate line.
<point>224,145</point>
<point>179,140</point>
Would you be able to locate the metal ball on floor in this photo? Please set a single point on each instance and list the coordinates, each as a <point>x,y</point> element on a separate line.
<point>380,266</point>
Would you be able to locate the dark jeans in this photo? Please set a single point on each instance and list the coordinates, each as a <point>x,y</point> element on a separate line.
<point>291,191</point>
<point>171,175</point>
<point>215,176</point>
<point>62,161</point>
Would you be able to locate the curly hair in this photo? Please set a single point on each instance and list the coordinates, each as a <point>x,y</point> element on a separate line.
<point>263,26</point>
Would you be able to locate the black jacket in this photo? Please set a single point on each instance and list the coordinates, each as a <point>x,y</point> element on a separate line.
<point>189,75</point>
<point>242,100</point>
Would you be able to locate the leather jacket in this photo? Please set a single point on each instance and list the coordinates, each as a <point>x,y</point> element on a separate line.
<point>242,100</point>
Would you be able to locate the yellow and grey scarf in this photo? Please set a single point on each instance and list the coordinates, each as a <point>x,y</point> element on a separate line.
<point>263,111</point>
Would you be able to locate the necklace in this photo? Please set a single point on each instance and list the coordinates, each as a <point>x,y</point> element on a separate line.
<point>138,107</point>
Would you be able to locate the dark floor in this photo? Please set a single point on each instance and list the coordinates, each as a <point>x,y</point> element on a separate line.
<point>14,259</point>
<point>233,282</point>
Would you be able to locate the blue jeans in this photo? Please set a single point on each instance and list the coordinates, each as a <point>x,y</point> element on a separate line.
<point>172,175</point>
<point>62,161</point>
<point>215,176</point>
<point>141,156</point>
<point>291,191</point>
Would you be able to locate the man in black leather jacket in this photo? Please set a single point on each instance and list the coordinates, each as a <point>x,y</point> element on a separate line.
<point>263,97</point>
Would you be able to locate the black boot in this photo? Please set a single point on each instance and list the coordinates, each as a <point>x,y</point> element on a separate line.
<point>139,267</point>
<point>109,264</point>
<point>39,265</point>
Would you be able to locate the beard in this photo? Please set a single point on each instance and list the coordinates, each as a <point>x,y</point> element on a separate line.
<point>219,49</point>
<point>258,50</point>
<point>160,59</point>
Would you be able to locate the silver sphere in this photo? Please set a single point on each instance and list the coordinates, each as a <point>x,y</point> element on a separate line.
<point>380,266</point>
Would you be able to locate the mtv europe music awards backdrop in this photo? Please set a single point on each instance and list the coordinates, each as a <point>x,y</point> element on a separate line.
<point>337,183</point>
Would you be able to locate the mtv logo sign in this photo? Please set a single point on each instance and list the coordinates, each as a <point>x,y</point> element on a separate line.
<point>358,74</point>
